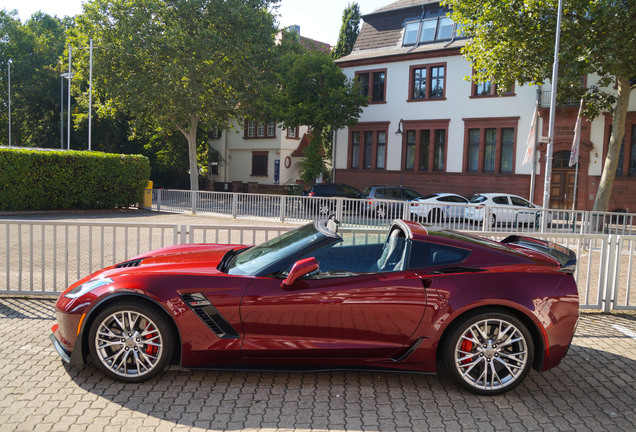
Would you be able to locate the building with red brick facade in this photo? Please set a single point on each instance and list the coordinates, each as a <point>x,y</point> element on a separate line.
<point>429,128</point>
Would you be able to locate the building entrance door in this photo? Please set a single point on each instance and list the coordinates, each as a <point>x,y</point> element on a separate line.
<point>562,181</point>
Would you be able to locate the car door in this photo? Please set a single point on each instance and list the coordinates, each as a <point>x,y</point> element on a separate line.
<point>348,310</point>
<point>502,209</point>
<point>525,213</point>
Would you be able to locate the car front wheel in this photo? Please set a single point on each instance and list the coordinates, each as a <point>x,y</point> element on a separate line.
<point>130,342</point>
<point>489,353</point>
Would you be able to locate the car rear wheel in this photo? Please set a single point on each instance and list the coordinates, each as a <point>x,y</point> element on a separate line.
<point>434,216</point>
<point>130,342</point>
<point>489,353</point>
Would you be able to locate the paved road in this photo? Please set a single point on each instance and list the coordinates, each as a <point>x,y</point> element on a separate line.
<point>594,389</point>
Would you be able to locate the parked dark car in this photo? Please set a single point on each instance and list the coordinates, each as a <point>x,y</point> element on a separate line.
<point>329,190</point>
<point>411,298</point>
<point>383,209</point>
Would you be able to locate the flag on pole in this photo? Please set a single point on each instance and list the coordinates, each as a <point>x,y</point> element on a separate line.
<point>530,145</point>
<point>574,153</point>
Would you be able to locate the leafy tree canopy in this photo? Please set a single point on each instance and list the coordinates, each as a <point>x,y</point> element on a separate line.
<point>183,63</point>
<point>313,91</point>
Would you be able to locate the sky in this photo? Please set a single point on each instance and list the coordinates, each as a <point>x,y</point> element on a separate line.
<point>319,20</point>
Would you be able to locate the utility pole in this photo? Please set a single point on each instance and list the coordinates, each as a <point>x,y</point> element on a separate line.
<point>9,79</point>
<point>90,95</point>
<point>68,129</point>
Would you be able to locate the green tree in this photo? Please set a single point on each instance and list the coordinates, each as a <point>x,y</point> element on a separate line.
<point>180,63</point>
<point>513,41</point>
<point>314,92</point>
<point>348,31</point>
<point>34,49</point>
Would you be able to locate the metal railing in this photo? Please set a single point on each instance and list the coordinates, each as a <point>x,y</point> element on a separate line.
<point>44,258</point>
<point>375,213</point>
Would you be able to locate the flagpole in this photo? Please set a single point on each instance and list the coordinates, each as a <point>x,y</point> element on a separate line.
<point>549,149</point>
<point>574,153</point>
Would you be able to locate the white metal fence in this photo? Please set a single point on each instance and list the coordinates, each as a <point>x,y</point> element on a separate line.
<point>374,213</point>
<point>43,257</point>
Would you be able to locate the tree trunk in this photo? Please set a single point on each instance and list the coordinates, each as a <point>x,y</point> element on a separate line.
<point>191,136</point>
<point>616,140</point>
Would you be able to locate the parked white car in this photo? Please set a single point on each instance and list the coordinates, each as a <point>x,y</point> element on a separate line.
<point>500,208</point>
<point>438,206</point>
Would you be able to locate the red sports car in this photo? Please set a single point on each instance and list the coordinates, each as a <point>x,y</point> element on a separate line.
<point>415,298</point>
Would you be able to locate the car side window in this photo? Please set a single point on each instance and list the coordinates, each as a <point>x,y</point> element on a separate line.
<point>457,199</point>
<point>424,254</point>
<point>410,194</point>
<point>520,202</point>
<point>380,193</point>
<point>395,193</point>
<point>500,200</point>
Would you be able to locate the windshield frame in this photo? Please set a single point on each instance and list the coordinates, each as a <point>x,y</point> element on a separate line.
<point>278,253</point>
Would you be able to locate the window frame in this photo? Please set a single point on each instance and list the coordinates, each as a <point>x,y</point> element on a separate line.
<point>361,130</point>
<point>454,34</point>
<point>492,93</point>
<point>370,86</point>
<point>434,162</point>
<point>252,129</point>
<point>483,125</point>
<point>429,81</point>
<point>293,135</point>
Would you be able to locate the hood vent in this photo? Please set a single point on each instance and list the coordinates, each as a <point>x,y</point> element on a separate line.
<point>132,263</point>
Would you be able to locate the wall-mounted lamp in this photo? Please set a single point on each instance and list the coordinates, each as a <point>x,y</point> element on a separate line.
<point>399,131</point>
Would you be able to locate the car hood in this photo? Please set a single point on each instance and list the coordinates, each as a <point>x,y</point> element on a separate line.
<point>191,258</point>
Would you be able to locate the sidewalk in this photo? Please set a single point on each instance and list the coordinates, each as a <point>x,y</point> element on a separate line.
<point>594,389</point>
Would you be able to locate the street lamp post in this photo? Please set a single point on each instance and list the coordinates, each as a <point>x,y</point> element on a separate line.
<point>9,82</point>
<point>67,76</point>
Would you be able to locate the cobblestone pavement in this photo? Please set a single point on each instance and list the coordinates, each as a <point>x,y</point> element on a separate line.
<point>593,389</point>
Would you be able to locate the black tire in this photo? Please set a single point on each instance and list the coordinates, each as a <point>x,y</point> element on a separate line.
<point>494,361</point>
<point>434,216</point>
<point>131,342</point>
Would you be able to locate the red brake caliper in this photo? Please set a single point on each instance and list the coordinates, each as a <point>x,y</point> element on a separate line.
<point>467,346</point>
<point>151,349</point>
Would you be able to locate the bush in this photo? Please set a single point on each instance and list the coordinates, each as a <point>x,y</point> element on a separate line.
<point>54,179</point>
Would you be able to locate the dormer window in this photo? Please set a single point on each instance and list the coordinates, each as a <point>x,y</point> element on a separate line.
<point>433,26</point>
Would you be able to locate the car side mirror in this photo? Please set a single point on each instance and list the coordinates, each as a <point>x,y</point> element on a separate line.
<point>300,268</point>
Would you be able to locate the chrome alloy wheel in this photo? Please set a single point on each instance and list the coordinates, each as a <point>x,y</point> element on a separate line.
<point>491,355</point>
<point>128,344</point>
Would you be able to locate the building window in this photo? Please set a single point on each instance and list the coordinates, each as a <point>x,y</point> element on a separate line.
<point>380,153</point>
<point>292,132</point>
<point>368,145</point>
<point>628,147</point>
<point>425,145</point>
<point>431,26</point>
<point>259,163</point>
<point>355,150</point>
<point>489,89</point>
<point>490,145</point>
<point>373,85</point>
<point>215,134</point>
<point>427,82</point>
<point>253,129</point>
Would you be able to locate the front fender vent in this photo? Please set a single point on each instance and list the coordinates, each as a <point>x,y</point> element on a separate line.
<point>206,311</point>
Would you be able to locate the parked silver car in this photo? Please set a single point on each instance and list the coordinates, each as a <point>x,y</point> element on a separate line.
<point>377,200</point>
<point>501,208</point>
<point>438,207</point>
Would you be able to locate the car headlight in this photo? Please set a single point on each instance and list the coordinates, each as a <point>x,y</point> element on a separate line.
<point>84,288</point>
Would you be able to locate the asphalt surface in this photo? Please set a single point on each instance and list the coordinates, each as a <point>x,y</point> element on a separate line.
<point>593,389</point>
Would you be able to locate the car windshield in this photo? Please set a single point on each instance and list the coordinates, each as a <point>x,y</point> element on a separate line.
<point>478,199</point>
<point>251,261</point>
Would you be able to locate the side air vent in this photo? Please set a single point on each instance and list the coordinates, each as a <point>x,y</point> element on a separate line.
<point>132,263</point>
<point>204,309</point>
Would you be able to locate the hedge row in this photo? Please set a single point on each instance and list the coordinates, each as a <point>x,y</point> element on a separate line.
<point>55,179</point>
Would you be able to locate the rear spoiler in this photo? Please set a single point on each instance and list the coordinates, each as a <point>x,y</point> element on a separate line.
<point>564,256</point>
